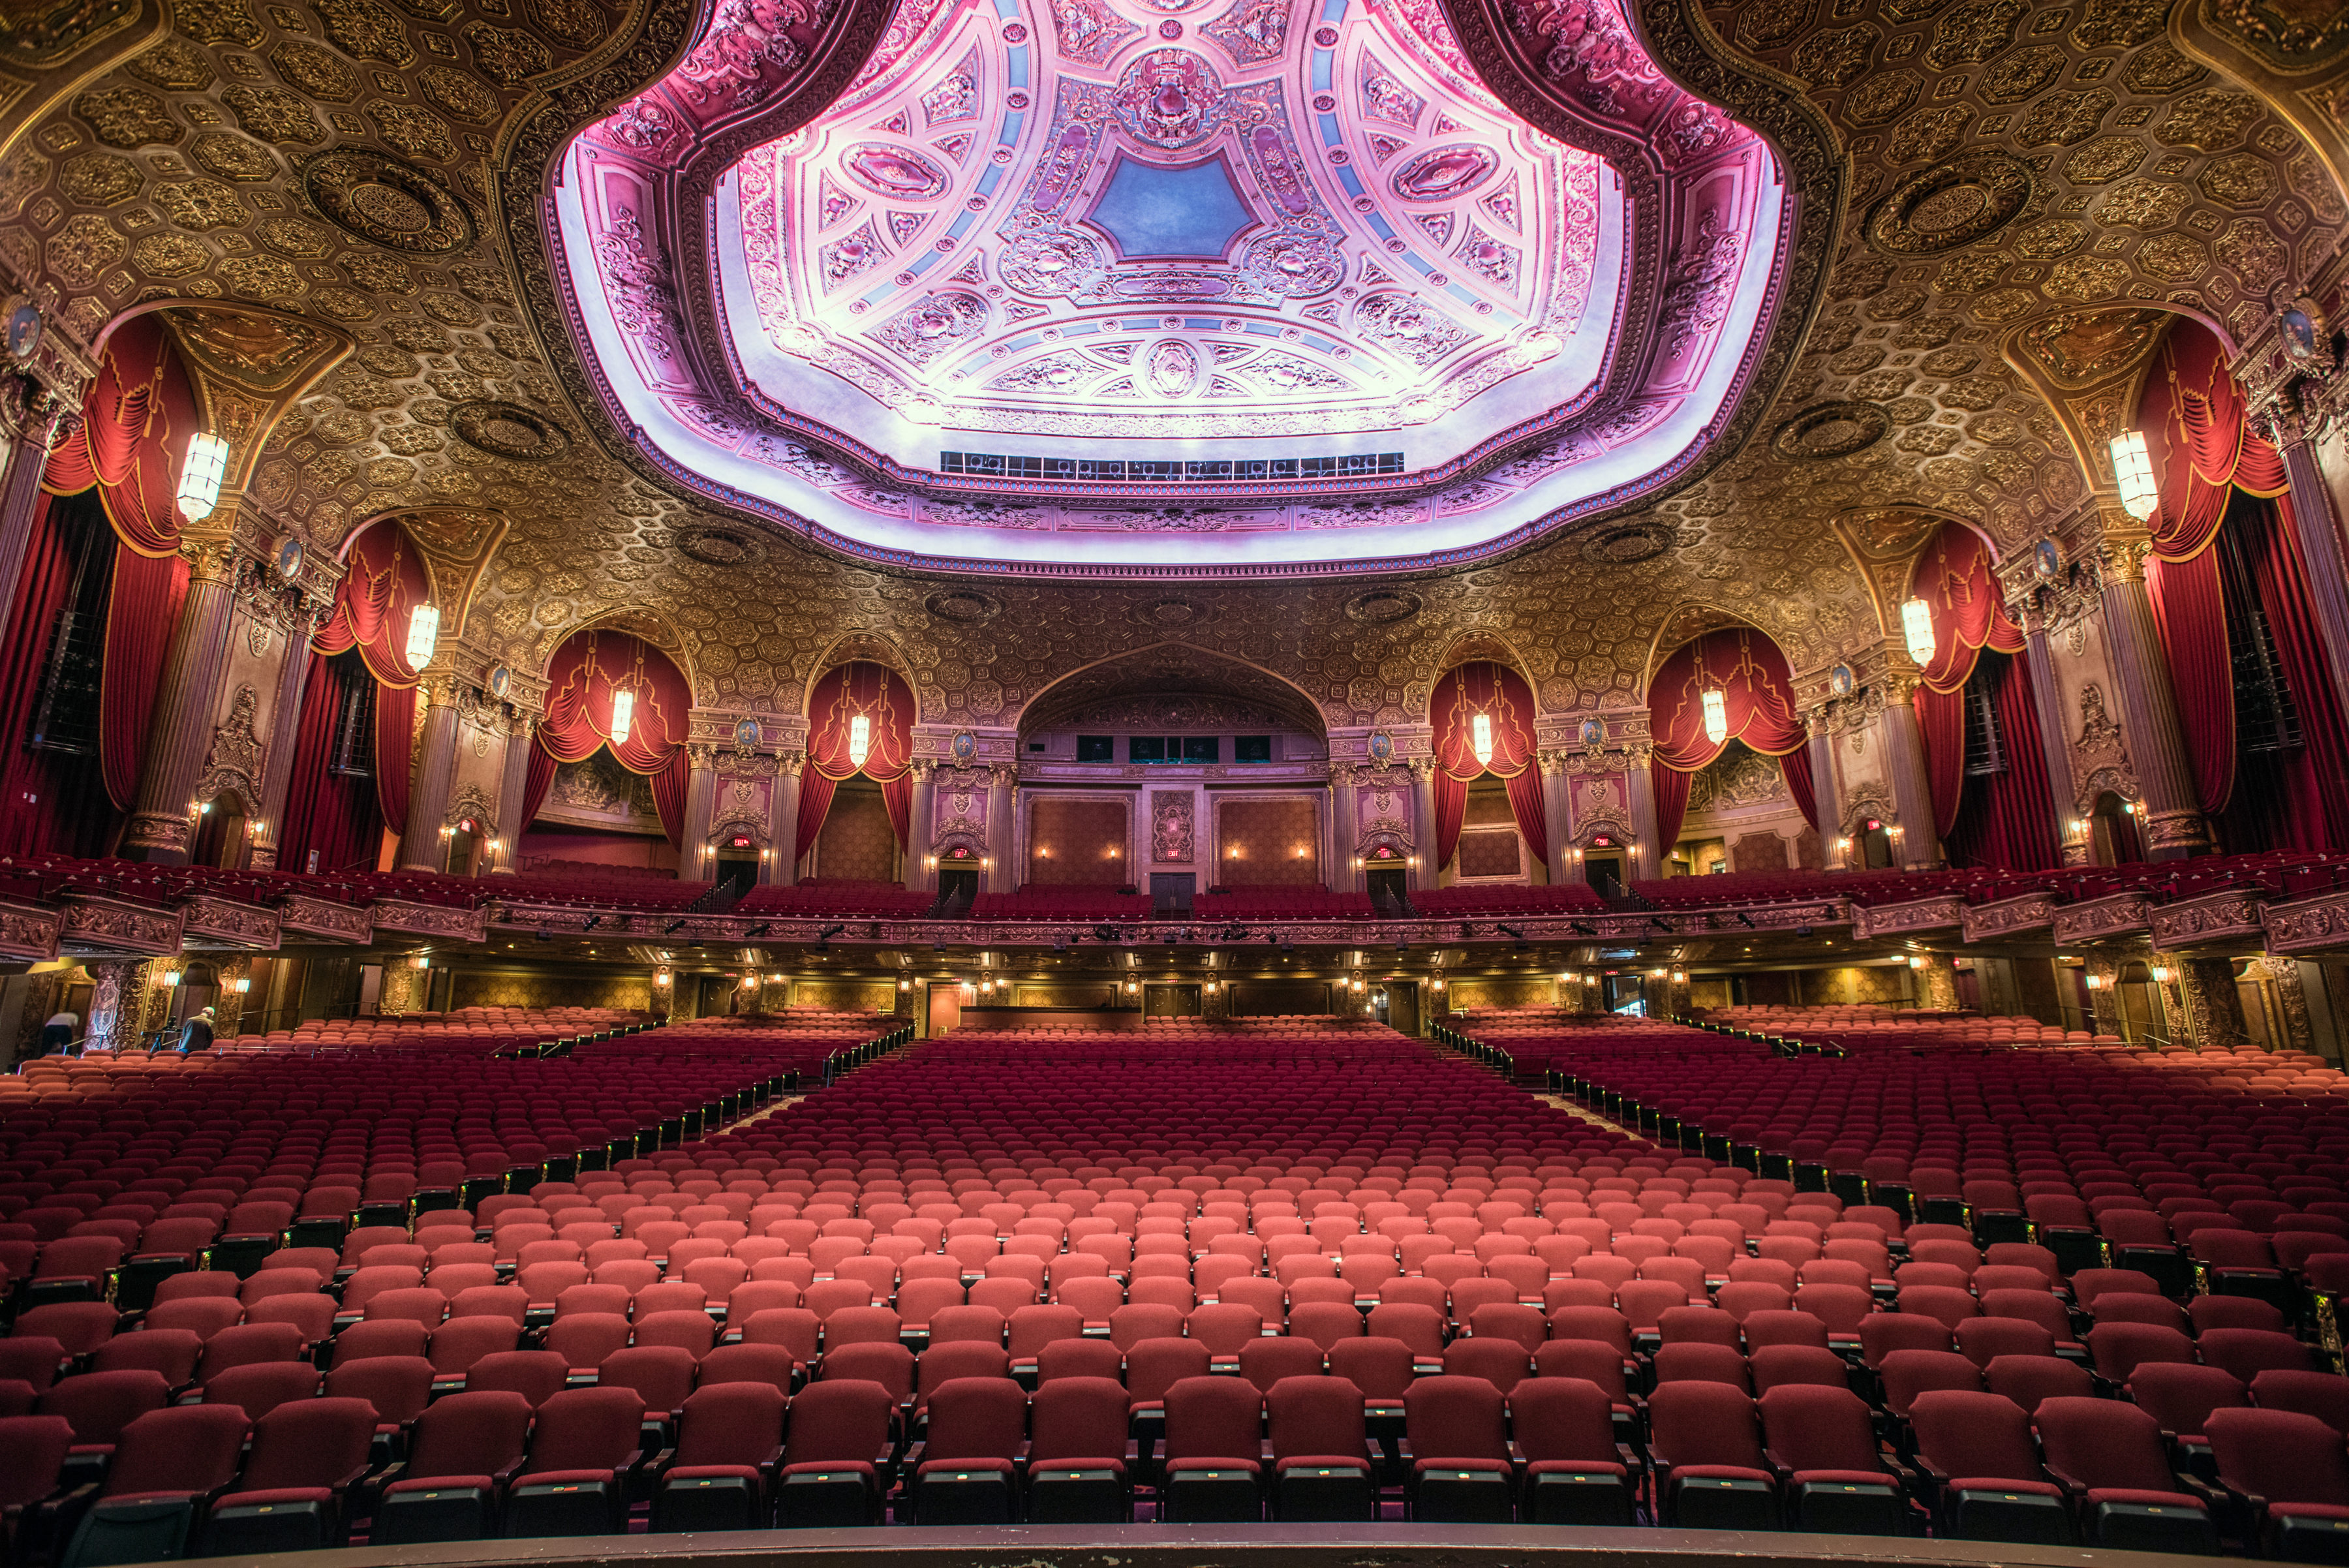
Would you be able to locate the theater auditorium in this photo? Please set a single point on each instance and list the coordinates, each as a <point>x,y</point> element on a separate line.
<point>1174,783</point>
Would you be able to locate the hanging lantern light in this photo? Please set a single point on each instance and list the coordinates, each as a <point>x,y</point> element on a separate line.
<point>860,740</point>
<point>1917,629</point>
<point>1716,716</point>
<point>201,476</point>
<point>1480,739</point>
<point>623,713</point>
<point>423,633</point>
<point>2133,468</point>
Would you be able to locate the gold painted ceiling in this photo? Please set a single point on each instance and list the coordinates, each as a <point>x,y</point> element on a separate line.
<point>1995,201</point>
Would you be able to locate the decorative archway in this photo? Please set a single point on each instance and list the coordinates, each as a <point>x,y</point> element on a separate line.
<point>860,722</point>
<point>1482,718</point>
<point>1744,668</point>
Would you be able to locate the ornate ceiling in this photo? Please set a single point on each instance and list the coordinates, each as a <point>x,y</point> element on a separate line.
<point>1112,286</point>
<point>1986,200</point>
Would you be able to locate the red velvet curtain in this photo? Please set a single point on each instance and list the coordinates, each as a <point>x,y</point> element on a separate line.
<point>1954,576</point>
<point>1758,696</point>
<point>538,778</point>
<point>2298,799</point>
<point>395,740</point>
<point>384,579</point>
<point>2197,433</point>
<point>878,695</point>
<point>815,799</point>
<point>141,610</point>
<point>584,676</point>
<point>1499,695</point>
<point>137,421</point>
<point>2008,820</point>
<point>1797,765</point>
<point>56,801</point>
<point>339,817</point>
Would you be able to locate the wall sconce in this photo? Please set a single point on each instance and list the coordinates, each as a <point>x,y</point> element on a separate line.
<point>171,978</point>
<point>1302,852</point>
<point>1358,983</point>
<point>200,809</point>
<point>201,476</point>
<point>1411,861</point>
<point>1679,977</point>
<point>1657,973</point>
<point>1358,863</point>
<point>2079,828</point>
<point>447,833</point>
<point>929,862</point>
<point>749,980</point>
<point>662,978</point>
<point>986,986</point>
<point>904,983</point>
<point>1917,960</point>
<point>497,845</point>
<point>774,979</point>
<point>2128,808</point>
<point>2095,982</point>
<point>1112,853</point>
<point>1436,985</point>
<point>2162,974</point>
<point>1211,987</point>
<point>244,986</point>
<point>1132,986</point>
<point>1044,852</point>
<point>421,961</point>
<point>2133,468</point>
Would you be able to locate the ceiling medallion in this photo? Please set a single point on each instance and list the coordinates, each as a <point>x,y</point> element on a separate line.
<point>509,429</point>
<point>963,606</point>
<point>1629,545</point>
<point>1383,606</point>
<point>1831,430</point>
<point>718,546</point>
<point>1173,613</point>
<point>394,204</point>
<point>1951,204</point>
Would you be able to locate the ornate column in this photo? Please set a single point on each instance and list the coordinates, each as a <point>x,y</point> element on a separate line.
<point>2214,1008</point>
<point>514,782</point>
<point>1345,828</point>
<point>783,820</point>
<point>2319,532</point>
<point>700,802</point>
<point>180,727</point>
<point>1826,790</point>
<point>1002,779</point>
<point>1558,797</point>
<point>1904,761</point>
<point>921,826</point>
<point>293,686</point>
<point>1647,855</point>
<point>1423,825</point>
<point>34,419</point>
<point>420,845</point>
<point>2174,824</point>
<point>2055,745</point>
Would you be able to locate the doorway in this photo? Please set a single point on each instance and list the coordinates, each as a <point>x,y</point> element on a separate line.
<point>2112,830</point>
<point>1402,1005</point>
<point>2143,1020</point>
<point>1170,893</point>
<point>1876,847</point>
<point>1386,887</point>
<point>1604,872</point>
<point>220,835</point>
<point>957,887</point>
<point>737,871</point>
<point>460,861</point>
<point>1170,1000</point>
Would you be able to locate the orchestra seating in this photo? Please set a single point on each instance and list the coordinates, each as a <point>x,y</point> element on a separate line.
<point>1297,1269</point>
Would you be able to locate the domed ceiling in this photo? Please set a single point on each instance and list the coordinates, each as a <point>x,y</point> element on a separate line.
<point>1108,287</point>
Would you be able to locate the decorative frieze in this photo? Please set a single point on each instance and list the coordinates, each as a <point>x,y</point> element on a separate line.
<point>430,920</point>
<point>95,926</point>
<point>208,921</point>
<point>2008,917</point>
<point>2101,920</point>
<point>29,934</point>
<point>301,915</point>
<point>1901,920</point>
<point>2231,917</point>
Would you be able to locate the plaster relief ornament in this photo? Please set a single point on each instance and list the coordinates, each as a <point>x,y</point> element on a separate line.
<point>1060,232</point>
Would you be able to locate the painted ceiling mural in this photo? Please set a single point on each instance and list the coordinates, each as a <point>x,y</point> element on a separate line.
<point>1044,269</point>
<point>2052,179</point>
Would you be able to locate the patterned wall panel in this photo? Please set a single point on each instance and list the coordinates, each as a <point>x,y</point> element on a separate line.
<point>857,843</point>
<point>1075,843</point>
<point>1267,832</point>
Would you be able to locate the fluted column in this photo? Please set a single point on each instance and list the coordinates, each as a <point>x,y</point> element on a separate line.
<point>1647,854</point>
<point>293,686</point>
<point>420,845</point>
<point>1827,793</point>
<point>1904,761</point>
<point>694,863</point>
<point>1345,828</point>
<point>513,784</point>
<point>180,727</point>
<point>2055,745</point>
<point>44,420</point>
<point>2319,532</point>
<point>783,820</point>
<point>1004,875</point>
<point>2156,746</point>
<point>1558,797</point>
<point>1430,872</point>
<point>920,826</point>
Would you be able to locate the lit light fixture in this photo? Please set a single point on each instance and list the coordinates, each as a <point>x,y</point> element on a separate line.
<point>1917,960</point>
<point>1437,983</point>
<point>1679,977</point>
<point>2095,982</point>
<point>201,476</point>
<point>1480,739</point>
<point>421,961</point>
<point>774,979</point>
<point>1211,987</point>
<point>2161,974</point>
<point>860,740</point>
<point>1716,716</point>
<point>904,984</point>
<point>423,632</point>
<point>623,713</point>
<point>244,985</point>
<point>1917,629</point>
<point>2133,469</point>
<point>171,980</point>
<point>1132,985</point>
<point>661,977</point>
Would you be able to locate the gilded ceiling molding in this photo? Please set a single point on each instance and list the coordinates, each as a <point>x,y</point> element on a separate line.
<point>2294,59</point>
<point>2089,367</point>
